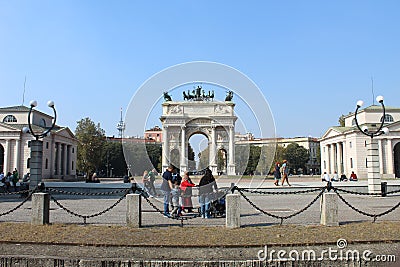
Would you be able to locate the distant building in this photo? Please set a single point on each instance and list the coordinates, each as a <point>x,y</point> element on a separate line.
<point>154,133</point>
<point>309,143</point>
<point>59,149</point>
<point>344,149</point>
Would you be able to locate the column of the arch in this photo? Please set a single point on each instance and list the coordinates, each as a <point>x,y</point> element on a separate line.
<point>183,149</point>
<point>213,147</point>
<point>165,148</point>
<point>231,162</point>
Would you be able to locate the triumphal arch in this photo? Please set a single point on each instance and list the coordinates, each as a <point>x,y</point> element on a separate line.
<point>198,113</point>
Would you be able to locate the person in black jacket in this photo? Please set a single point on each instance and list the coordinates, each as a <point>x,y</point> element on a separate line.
<point>206,191</point>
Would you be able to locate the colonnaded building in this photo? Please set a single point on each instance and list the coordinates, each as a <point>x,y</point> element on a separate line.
<point>59,149</point>
<point>344,149</point>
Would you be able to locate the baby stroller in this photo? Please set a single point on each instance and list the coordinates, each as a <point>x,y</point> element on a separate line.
<point>217,206</point>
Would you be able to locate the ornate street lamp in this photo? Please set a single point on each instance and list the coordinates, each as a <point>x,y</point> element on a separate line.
<point>36,145</point>
<point>374,176</point>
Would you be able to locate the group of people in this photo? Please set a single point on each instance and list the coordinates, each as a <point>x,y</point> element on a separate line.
<point>177,192</point>
<point>11,179</point>
<point>336,178</point>
<point>281,171</point>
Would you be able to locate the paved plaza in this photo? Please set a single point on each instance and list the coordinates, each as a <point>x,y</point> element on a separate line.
<point>281,205</point>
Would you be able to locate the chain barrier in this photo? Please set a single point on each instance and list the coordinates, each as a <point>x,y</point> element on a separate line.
<point>115,192</point>
<point>15,193</point>
<point>282,217</point>
<point>375,216</point>
<point>85,217</point>
<point>279,192</point>
<point>365,194</point>
<point>22,203</point>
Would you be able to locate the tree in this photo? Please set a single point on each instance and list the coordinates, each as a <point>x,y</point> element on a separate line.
<point>113,157</point>
<point>297,156</point>
<point>91,140</point>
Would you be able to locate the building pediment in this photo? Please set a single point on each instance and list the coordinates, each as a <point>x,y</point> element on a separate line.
<point>335,131</point>
<point>8,128</point>
<point>65,132</point>
<point>394,127</point>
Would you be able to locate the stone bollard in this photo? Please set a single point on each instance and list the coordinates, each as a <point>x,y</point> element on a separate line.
<point>232,211</point>
<point>134,210</point>
<point>329,209</point>
<point>40,208</point>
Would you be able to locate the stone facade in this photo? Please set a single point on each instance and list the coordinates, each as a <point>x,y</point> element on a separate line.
<point>215,120</point>
<point>59,149</point>
<point>345,149</point>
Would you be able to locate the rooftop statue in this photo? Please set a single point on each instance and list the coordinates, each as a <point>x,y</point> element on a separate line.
<point>198,94</point>
<point>167,97</point>
<point>229,96</point>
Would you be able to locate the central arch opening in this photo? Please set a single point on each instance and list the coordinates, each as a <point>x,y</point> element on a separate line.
<point>198,152</point>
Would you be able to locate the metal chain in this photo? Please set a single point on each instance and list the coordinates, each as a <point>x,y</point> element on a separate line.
<point>86,194</point>
<point>19,205</point>
<point>282,217</point>
<point>280,192</point>
<point>84,217</point>
<point>15,193</point>
<point>375,216</point>
<point>364,194</point>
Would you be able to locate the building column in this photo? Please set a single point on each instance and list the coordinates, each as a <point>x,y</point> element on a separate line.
<point>58,158</point>
<point>340,158</point>
<point>213,147</point>
<point>345,168</point>
<point>165,148</point>
<point>17,155</point>
<point>231,164</point>
<point>390,162</point>
<point>52,157</point>
<point>6,157</point>
<point>183,149</point>
<point>65,159</point>
<point>328,158</point>
<point>333,148</point>
<point>69,159</point>
<point>380,148</point>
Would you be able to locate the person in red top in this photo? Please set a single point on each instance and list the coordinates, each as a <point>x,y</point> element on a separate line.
<point>186,192</point>
<point>353,177</point>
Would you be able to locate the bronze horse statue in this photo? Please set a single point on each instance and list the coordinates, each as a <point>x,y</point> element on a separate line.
<point>229,96</point>
<point>167,97</point>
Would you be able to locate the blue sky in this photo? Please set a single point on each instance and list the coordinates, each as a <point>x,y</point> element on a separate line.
<point>312,59</point>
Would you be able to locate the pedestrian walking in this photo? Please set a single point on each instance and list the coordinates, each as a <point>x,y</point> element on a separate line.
<point>285,172</point>
<point>277,174</point>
